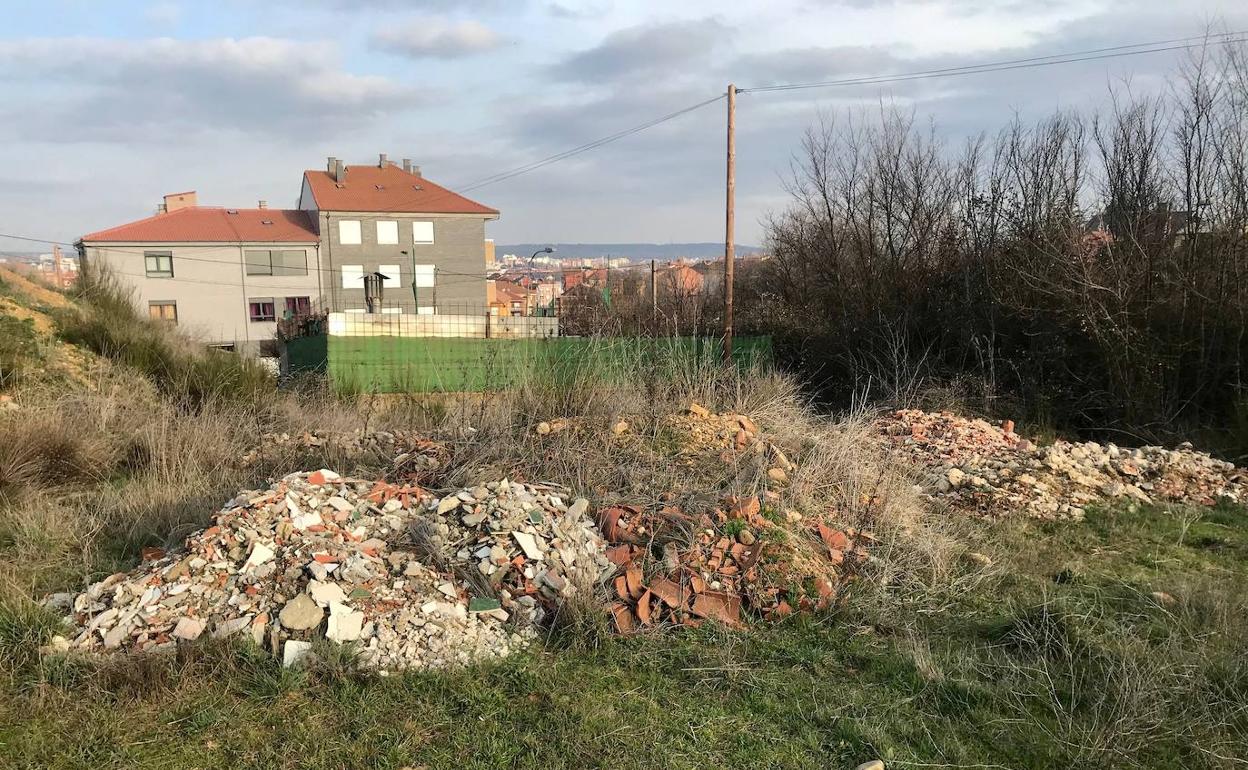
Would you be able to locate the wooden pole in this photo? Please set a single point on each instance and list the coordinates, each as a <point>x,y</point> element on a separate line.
<point>654,299</point>
<point>729,221</point>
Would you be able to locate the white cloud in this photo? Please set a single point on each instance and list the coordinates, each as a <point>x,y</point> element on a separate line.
<point>437,38</point>
<point>645,49</point>
<point>140,90</point>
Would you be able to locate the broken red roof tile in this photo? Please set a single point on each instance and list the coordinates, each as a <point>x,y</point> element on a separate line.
<point>722,606</point>
<point>669,591</point>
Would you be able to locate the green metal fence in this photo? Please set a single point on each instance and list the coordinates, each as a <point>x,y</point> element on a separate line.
<point>389,364</point>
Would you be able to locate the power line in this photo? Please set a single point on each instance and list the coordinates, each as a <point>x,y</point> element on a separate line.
<point>587,146</point>
<point>1135,49</point>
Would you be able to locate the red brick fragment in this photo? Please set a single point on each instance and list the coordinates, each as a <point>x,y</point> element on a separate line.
<point>633,576</point>
<point>619,555</point>
<point>643,607</point>
<point>722,606</point>
<point>672,593</point>
<point>625,623</point>
<point>833,538</point>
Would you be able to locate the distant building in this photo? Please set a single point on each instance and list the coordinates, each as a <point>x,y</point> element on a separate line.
<point>511,299</point>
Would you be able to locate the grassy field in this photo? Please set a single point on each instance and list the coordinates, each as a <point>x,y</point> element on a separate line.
<point>1055,654</point>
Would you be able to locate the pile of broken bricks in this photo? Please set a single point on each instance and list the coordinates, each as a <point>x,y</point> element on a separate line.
<point>972,465</point>
<point>675,568</point>
<point>409,579</point>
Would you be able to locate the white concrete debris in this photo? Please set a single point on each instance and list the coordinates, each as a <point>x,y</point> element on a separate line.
<point>973,465</point>
<point>408,579</point>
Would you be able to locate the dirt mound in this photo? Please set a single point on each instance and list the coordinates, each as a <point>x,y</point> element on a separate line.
<point>972,465</point>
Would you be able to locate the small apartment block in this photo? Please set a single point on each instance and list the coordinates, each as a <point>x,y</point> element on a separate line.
<point>227,276</point>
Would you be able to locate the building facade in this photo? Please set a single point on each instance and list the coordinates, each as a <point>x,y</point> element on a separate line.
<point>224,275</point>
<point>427,241</point>
<point>228,275</point>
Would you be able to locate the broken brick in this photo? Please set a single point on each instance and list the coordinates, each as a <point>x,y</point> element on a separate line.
<point>722,606</point>
<point>672,594</point>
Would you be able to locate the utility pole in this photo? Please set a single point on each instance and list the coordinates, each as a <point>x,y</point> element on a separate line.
<point>654,298</point>
<point>729,221</point>
<point>56,258</point>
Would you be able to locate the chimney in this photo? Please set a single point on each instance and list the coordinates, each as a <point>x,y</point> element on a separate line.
<point>415,170</point>
<point>175,201</point>
<point>407,165</point>
<point>262,205</point>
<point>161,209</point>
<point>329,164</point>
<point>381,160</point>
<point>340,171</point>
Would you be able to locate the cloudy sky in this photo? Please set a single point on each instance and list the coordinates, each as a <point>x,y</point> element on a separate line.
<point>106,106</point>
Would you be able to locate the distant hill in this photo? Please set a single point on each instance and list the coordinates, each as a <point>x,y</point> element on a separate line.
<point>634,251</point>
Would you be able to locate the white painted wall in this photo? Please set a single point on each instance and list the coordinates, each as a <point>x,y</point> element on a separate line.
<point>210,286</point>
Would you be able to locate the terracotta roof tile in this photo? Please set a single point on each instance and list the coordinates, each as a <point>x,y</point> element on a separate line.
<point>389,189</point>
<point>212,224</point>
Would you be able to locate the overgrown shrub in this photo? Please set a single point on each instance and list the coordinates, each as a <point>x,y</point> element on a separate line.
<point>18,350</point>
<point>1088,271</point>
<point>105,321</point>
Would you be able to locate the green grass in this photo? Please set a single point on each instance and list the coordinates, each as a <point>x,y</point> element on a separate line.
<point>1023,671</point>
<point>19,350</point>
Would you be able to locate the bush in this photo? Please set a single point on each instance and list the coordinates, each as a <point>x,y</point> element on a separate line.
<point>18,350</point>
<point>1089,272</point>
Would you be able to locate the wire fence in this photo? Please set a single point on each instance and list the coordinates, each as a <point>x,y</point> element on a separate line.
<point>463,346</point>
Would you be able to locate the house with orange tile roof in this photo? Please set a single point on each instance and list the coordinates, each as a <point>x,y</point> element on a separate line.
<point>225,275</point>
<point>228,275</point>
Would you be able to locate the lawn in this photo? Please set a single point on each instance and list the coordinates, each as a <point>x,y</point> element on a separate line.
<point>1058,655</point>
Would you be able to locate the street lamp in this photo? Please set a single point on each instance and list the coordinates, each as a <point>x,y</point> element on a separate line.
<point>547,250</point>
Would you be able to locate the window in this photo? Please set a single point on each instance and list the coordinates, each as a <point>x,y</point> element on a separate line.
<point>298,306</point>
<point>353,276</point>
<point>285,262</point>
<point>422,232</point>
<point>159,264</point>
<point>349,232</point>
<point>261,309</point>
<point>163,310</point>
<point>425,310</point>
<point>258,262</point>
<point>393,276</point>
<point>425,276</point>
<point>387,232</point>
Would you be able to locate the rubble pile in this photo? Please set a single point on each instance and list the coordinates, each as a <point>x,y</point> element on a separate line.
<point>975,466</point>
<point>413,456</point>
<point>677,568</point>
<point>412,580</point>
<point>727,436</point>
